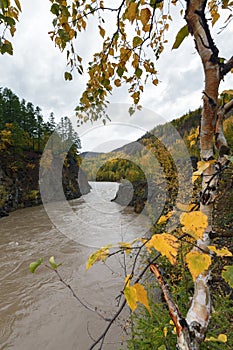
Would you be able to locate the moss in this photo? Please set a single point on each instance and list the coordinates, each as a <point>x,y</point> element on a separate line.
<point>31,195</point>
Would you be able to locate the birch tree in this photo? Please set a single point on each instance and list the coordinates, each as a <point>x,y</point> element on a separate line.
<point>131,44</point>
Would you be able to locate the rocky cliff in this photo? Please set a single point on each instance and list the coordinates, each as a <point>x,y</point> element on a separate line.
<point>19,181</point>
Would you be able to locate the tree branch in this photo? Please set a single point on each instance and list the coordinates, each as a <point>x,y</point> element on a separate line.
<point>220,140</point>
<point>172,307</point>
<point>226,67</point>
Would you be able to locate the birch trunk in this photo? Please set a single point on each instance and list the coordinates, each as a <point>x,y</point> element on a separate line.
<point>191,331</point>
<point>198,315</point>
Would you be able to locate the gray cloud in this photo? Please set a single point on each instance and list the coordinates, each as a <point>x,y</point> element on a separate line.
<point>36,71</point>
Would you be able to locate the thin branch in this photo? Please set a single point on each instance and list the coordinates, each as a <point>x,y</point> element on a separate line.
<point>225,68</point>
<point>174,311</point>
<point>103,335</point>
<point>228,107</point>
<point>95,310</point>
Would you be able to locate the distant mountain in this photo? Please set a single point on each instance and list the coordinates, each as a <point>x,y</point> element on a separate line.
<point>129,149</point>
<point>91,154</point>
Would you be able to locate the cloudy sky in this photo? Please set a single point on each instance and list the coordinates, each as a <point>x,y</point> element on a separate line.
<point>35,72</point>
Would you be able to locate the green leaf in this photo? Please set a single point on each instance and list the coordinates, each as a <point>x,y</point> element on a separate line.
<point>162,347</point>
<point>137,41</point>
<point>181,35</point>
<point>10,21</point>
<point>227,274</point>
<point>55,9</point>
<point>120,71</point>
<point>6,47</point>
<point>68,76</point>
<point>4,4</point>
<point>138,72</point>
<point>52,263</point>
<point>33,266</point>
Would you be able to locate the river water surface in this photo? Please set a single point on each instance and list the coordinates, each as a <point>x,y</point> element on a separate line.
<point>36,311</point>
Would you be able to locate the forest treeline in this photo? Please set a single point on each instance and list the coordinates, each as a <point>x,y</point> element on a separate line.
<point>23,127</point>
<point>24,132</point>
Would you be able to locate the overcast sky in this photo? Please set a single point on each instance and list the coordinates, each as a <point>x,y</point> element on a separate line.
<point>36,73</point>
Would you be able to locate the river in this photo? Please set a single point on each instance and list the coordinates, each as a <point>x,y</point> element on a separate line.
<point>36,310</point>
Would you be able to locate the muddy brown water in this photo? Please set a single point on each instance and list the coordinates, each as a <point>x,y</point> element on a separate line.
<point>36,311</point>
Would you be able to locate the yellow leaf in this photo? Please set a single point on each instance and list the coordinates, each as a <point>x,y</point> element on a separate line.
<point>134,294</point>
<point>102,31</point>
<point>197,263</point>
<point>220,252</point>
<point>166,244</point>
<point>214,11</point>
<point>201,166</point>
<point>84,24</point>
<point>131,11</point>
<point>147,27</point>
<point>100,254</point>
<point>130,294</point>
<point>164,218</point>
<point>142,296</point>
<point>228,92</point>
<point>222,338</point>
<point>192,143</point>
<point>215,17</point>
<point>12,31</point>
<point>194,223</point>
<point>111,51</point>
<point>145,15</point>
<point>117,82</point>
<point>165,332</point>
<point>127,247</point>
<point>18,5</point>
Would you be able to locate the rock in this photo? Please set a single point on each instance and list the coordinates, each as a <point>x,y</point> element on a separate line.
<point>19,185</point>
<point>140,193</point>
<point>3,213</point>
<point>132,194</point>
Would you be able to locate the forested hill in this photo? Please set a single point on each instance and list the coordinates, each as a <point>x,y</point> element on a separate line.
<point>141,161</point>
<point>23,136</point>
<point>121,162</point>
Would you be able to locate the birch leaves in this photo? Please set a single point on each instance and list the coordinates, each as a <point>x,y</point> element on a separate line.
<point>131,35</point>
<point>193,225</point>
<point>9,16</point>
<point>134,294</point>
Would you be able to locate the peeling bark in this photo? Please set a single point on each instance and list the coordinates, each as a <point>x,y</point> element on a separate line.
<point>198,315</point>
<point>191,331</point>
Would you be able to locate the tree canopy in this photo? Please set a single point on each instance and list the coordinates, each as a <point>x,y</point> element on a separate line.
<point>23,127</point>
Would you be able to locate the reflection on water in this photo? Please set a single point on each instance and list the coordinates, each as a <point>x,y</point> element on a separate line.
<point>37,312</point>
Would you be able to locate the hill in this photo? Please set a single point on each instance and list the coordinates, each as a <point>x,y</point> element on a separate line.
<point>162,158</point>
